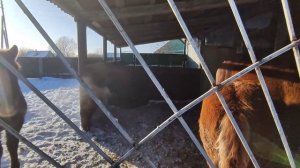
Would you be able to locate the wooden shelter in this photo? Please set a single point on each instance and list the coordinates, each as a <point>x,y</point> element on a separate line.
<point>148,21</point>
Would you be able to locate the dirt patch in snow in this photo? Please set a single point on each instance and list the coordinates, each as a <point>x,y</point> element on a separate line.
<point>170,148</point>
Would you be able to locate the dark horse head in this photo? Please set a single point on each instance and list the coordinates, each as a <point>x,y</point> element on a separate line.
<point>9,88</point>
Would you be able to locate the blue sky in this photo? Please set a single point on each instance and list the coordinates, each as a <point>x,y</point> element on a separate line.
<point>56,23</point>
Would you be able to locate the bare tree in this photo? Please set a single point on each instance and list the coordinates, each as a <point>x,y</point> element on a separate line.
<point>67,46</point>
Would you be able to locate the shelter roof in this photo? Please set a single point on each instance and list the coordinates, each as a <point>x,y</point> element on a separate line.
<point>148,21</point>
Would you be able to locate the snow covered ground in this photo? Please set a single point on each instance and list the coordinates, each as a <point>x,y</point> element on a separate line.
<point>45,129</point>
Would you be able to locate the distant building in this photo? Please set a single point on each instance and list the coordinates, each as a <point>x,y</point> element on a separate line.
<point>38,54</point>
<point>178,47</point>
<point>172,47</point>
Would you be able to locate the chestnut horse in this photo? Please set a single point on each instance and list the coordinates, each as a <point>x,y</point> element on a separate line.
<point>249,107</point>
<point>12,104</point>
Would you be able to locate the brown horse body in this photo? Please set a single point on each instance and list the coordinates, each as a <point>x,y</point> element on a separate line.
<point>12,104</point>
<point>129,87</point>
<point>249,107</point>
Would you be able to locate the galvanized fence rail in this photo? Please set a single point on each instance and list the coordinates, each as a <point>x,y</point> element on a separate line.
<point>177,113</point>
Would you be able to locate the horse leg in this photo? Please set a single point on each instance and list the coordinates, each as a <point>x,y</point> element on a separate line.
<point>13,142</point>
<point>12,146</point>
<point>87,109</point>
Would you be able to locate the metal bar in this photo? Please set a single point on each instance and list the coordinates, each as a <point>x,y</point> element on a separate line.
<point>292,34</point>
<point>28,143</point>
<point>73,72</point>
<point>2,34</point>
<point>210,92</point>
<point>5,33</point>
<point>262,82</point>
<point>154,80</point>
<point>54,108</point>
<point>212,81</point>
<point>3,28</point>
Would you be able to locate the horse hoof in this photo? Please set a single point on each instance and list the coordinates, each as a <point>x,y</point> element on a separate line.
<point>85,128</point>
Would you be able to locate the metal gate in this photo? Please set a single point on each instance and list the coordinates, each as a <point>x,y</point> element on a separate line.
<point>177,113</point>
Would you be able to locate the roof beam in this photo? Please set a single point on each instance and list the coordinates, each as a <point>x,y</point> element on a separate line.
<point>154,37</point>
<point>192,23</point>
<point>159,9</point>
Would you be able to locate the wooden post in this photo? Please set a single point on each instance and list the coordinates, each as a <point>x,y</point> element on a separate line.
<point>115,53</point>
<point>184,49</point>
<point>104,48</point>
<point>120,53</point>
<point>41,67</point>
<point>82,45</point>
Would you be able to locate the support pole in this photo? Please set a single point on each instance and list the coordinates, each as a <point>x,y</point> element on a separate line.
<point>41,66</point>
<point>82,45</point>
<point>104,48</point>
<point>115,53</point>
<point>4,35</point>
<point>184,50</point>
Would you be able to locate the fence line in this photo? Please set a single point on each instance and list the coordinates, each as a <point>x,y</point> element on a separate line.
<point>52,66</point>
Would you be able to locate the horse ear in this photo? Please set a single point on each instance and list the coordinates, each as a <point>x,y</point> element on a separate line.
<point>13,52</point>
<point>9,54</point>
